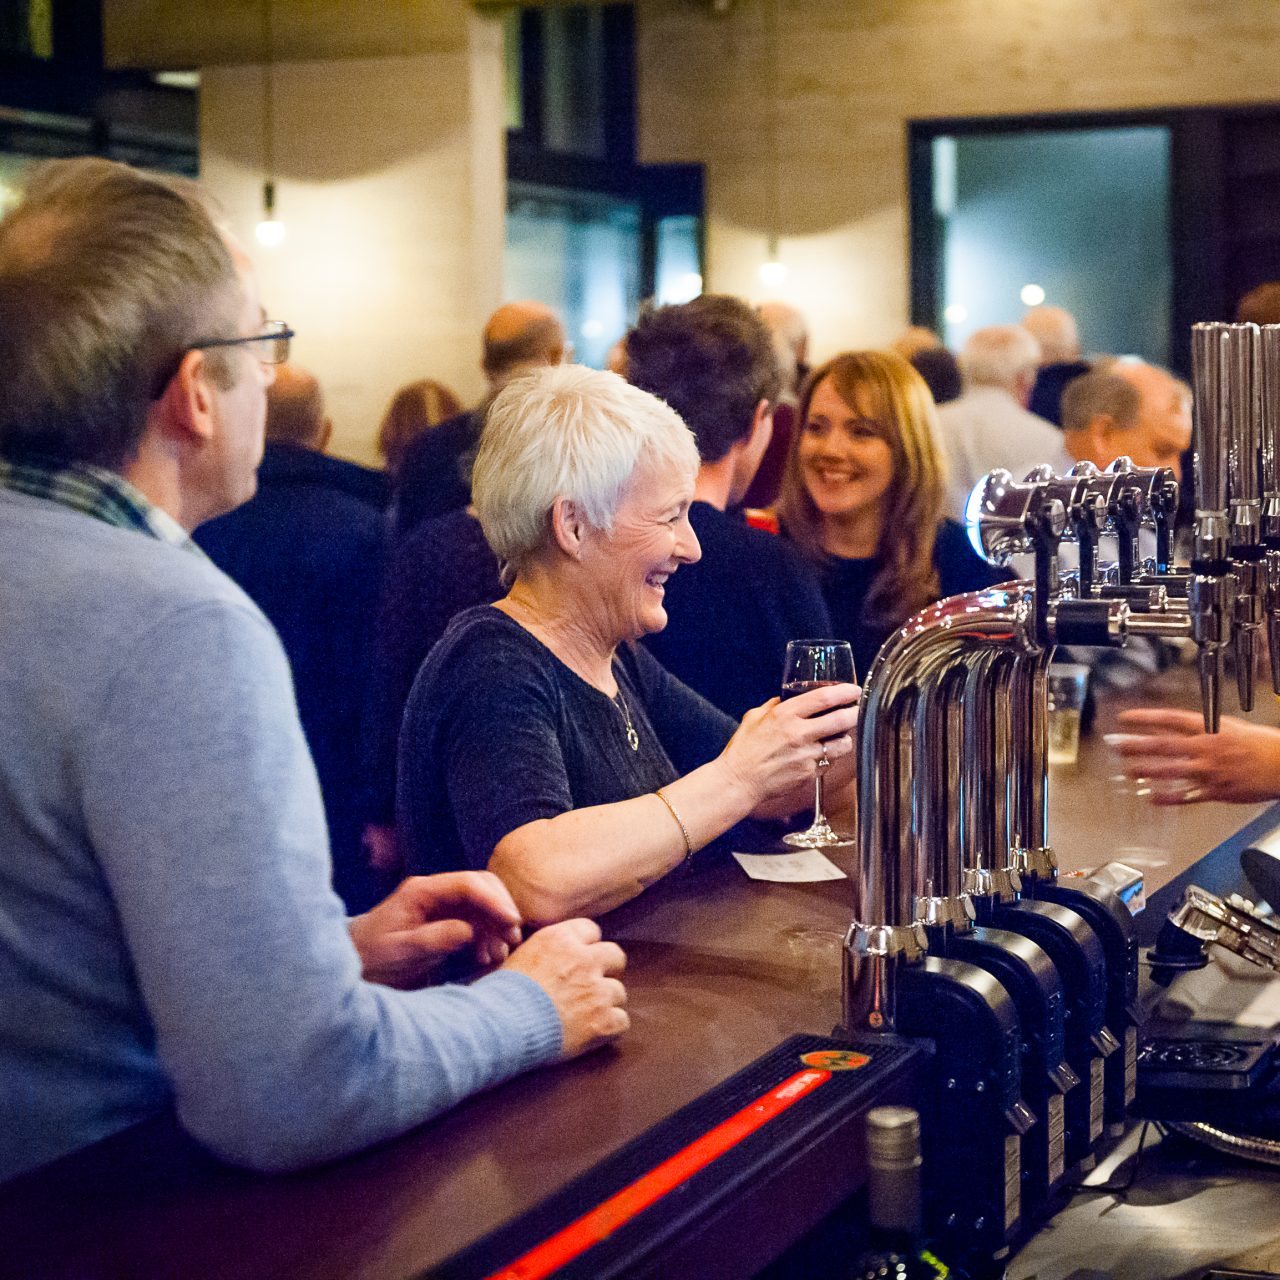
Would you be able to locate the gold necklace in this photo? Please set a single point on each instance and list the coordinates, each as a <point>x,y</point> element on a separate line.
<point>633,738</point>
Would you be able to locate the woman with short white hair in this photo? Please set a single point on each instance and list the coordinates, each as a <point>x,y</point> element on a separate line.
<point>539,740</point>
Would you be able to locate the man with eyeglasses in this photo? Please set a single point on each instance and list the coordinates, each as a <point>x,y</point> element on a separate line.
<point>169,941</point>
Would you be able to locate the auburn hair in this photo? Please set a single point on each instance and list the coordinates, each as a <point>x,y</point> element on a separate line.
<point>885,388</point>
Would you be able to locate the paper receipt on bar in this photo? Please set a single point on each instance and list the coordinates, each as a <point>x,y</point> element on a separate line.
<point>803,865</point>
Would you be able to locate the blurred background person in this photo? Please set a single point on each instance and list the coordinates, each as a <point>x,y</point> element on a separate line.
<point>731,613</point>
<point>539,739</point>
<point>308,549</point>
<point>1127,408</point>
<point>1261,305</point>
<point>1055,329</point>
<point>913,340</point>
<point>989,426</point>
<point>862,498</point>
<point>790,333</point>
<point>941,372</point>
<point>415,408</point>
<point>435,473</point>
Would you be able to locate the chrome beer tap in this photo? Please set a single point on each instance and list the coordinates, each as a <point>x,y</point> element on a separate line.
<point>1243,448</point>
<point>1211,587</point>
<point>1269,442</point>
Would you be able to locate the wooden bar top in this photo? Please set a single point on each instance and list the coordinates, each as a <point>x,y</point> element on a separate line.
<point>721,968</point>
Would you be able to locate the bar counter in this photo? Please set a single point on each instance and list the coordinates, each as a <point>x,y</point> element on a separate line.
<point>721,968</point>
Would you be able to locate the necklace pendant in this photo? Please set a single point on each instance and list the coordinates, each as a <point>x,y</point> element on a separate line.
<point>633,738</point>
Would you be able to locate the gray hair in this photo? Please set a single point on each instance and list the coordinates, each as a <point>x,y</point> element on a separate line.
<point>1100,391</point>
<point>567,432</point>
<point>107,276</point>
<point>999,356</point>
<point>1055,329</point>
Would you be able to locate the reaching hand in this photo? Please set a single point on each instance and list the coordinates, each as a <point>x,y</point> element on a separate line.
<point>428,918</point>
<point>1239,764</point>
<point>574,968</point>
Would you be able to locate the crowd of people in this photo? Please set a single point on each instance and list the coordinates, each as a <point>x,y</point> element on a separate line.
<point>486,695</point>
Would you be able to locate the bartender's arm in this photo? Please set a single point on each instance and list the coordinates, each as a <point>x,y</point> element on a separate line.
<point>1240,764</point>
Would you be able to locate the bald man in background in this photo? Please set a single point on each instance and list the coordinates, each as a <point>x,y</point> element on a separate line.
<point>435,477</point>
<point>1127,408</point>
<point>309,550</point>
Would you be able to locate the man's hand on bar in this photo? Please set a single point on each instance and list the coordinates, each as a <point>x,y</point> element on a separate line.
<point>571,964</point>
<point>404,938</point>
<point>1240,764</point>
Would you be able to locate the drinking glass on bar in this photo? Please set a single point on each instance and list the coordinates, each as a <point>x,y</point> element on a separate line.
<point>810,664</point>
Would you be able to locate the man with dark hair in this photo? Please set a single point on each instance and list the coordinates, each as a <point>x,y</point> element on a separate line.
<point>731,614</point>
<point>171,943</point>
<point>435,477</point>
<point>308,549</point>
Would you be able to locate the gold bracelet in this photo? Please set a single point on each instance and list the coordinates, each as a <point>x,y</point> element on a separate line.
<point>684,831</point>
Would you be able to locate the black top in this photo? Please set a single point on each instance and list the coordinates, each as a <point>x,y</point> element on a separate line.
<point>731,614</point>
<point>444,567</point>
<point>435,476</point>
<point>1051,382</point>
<point>308,549</point>
<point>499,733</point>
<point>847,581</point>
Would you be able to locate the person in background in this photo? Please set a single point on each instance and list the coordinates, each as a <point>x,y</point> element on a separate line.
<point>1261,305</point>
<point>730,614</point>
<point>442,568</point>
<point>862,498</point>
<point>790,336</point>
<point>435,474</point>
<point>1127,408</point>
<point>1055,329</point>
<point>540,740</point>
<point>1124,408</point>
<point>941,371</point>
<point>171,943</point>
<point>415,408</point>
<point>913,340</point>
<point>308,549</point>
<point>989,426</point>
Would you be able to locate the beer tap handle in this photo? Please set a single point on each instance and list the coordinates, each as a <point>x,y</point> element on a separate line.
<point>1210,591</point>
<point>1244,463</point>
<point>1269,448</point>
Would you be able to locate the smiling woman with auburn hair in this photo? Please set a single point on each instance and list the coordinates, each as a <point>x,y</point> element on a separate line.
<point>862,495</point>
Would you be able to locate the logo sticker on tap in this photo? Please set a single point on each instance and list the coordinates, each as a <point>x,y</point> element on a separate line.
<point>836,1059</point>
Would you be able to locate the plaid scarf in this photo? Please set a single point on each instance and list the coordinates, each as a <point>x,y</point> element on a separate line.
<point>96,492</point>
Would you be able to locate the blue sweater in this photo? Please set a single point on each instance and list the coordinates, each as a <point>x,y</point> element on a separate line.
<point>168,936</point>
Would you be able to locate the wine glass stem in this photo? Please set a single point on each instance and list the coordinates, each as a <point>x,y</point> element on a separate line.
<point>818,818</point>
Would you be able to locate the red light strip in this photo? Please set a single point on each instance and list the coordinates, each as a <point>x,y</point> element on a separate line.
<point>599,1223</point>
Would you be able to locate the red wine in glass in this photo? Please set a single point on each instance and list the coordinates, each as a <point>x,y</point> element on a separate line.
<point>794,688</point>
<point>815,664</point>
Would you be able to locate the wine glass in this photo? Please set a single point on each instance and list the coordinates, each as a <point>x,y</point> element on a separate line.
<point>810,664</point>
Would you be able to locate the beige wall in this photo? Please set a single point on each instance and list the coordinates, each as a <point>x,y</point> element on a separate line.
<point>835,81</point>
<point>390,177</point>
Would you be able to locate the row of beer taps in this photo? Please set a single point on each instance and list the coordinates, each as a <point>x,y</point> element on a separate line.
<point>953,758</point>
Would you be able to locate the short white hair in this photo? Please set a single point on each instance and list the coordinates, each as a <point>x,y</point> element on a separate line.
<point>1000,355</point>
<point>567,432</point>
<point>1055,329</point>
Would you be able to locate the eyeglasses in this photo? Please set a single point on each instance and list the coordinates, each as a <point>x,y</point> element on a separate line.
<point>272,343</point>
<point>271,346</point>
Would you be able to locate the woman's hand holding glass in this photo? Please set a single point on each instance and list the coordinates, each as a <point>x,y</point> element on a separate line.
<point>777,747</point>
